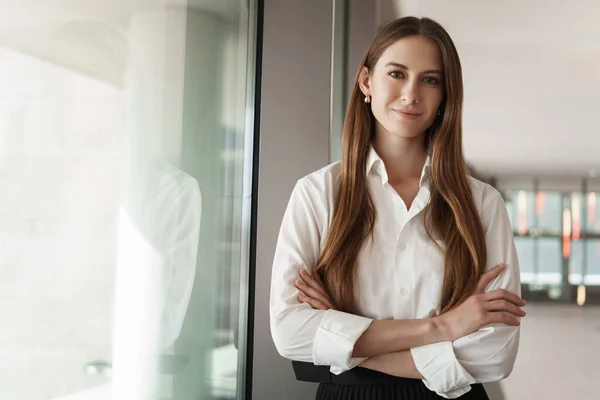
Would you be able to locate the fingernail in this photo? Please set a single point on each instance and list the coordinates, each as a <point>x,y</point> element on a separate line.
<point>303,271</point>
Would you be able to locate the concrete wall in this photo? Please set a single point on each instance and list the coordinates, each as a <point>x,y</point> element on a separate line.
<point>362,26</point>
<point>294,142</point>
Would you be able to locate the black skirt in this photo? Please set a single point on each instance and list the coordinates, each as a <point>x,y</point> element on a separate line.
<point>365,384</point>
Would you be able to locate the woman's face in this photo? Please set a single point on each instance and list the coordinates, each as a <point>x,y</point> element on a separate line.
<point>406,86</point>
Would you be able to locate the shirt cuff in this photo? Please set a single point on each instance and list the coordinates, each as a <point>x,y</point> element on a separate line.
<point>442,373</point>
<point>335,339</point>
<point>453,394</point>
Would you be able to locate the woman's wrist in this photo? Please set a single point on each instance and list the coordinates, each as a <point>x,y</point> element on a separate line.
<point>400,363</point>
<point>440,328</point>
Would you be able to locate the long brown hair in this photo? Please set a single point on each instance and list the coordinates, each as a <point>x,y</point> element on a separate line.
<point>451,212</point>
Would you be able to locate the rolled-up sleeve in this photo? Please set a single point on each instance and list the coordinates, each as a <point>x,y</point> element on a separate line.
<point>301,333</point>
<point>449,368</point>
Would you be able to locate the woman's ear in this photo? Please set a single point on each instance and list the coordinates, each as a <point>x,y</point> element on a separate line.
<point>364,81</point>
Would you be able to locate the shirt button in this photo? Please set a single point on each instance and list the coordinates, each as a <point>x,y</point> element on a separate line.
<point>404,292</point>
<point>402,246</point>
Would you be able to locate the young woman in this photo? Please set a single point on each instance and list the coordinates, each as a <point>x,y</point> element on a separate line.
<point>395,274</point>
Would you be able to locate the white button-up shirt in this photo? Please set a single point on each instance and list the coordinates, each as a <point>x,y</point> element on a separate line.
<point>399,277</point>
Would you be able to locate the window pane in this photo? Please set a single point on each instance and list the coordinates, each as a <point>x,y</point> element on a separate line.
<point>540,260</point>
<point>523,210</point>
<point>125,163</point>
<point>586,260</point>
<point>593,262</point>
<point>592,221</point>
<point>548,209</point>
<point>550,260</point>
<point>525,252</point>
<point>576,262</point>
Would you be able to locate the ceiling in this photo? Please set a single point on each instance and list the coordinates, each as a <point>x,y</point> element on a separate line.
<point>531,71</point>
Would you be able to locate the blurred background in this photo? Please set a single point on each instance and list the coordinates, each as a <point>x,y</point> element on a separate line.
<point>148,149</point>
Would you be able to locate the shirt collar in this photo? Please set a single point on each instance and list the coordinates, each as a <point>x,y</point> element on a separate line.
<point>375,164</point>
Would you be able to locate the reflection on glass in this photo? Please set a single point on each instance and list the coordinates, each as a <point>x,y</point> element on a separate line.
<point>124,146</point>
<point>60,170</point>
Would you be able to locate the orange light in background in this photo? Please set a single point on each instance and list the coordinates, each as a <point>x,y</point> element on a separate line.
<point>566,233</point>
<point>522,212</point>
<point>591,208</point>
<point>576,218</point>
<point>566,248</point>
<point>540,198</point>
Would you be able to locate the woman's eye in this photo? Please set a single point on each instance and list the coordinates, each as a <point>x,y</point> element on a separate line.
<point>396,74</point>
<point>430,80</point>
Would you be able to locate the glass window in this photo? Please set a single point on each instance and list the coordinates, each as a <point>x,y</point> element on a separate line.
<point>526,252</point>
<point>585,260</point>
<point>550,259</point>
<point>576,262</point>
<point>548,212</point>
<point>592,220</point>
<point>593,262</point>
<point>540,260</point>
<point>126,138</point>
<point>522,211</point>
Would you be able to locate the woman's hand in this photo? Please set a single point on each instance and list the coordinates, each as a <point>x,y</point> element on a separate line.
<point>313,290</point>
<point>482,308</point>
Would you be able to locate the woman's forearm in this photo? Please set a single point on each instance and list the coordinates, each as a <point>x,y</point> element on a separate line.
<point>399,363</point>
<point>389,336</point>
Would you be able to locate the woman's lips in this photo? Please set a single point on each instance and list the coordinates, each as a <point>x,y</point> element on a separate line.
<point>411,115</point>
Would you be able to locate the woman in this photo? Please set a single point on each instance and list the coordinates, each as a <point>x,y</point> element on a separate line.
<point>395,274</point>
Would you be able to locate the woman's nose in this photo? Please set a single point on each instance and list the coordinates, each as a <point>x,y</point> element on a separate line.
<point>410,93</point>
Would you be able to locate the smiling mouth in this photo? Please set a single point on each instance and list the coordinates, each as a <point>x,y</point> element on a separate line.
<point>407,114</point>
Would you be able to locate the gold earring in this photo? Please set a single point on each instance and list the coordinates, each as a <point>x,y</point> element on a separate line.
<point>367,99</point>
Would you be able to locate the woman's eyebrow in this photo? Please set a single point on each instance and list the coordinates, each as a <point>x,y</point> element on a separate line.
<point>398,65</point>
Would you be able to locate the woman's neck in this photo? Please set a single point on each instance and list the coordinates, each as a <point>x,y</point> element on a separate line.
<point>404,158</point>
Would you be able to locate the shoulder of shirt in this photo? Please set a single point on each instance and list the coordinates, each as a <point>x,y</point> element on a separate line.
<point>484,194</point>
<point>322,181</point>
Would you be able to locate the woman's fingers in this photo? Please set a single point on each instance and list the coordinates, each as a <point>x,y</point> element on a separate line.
<point>505,305</point>
<point>314,303</point>
<point>503,294</point>
<point>487,277</point>
<point>312,282</point>
<point>313,293</point>
<point>501,317</point>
